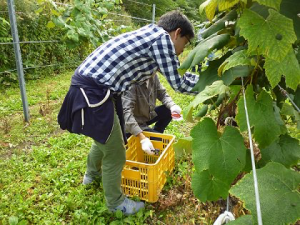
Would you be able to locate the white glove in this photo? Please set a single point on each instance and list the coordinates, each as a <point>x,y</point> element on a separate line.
<point>175,109</point>
<point>225,217</point>
<point>147,146</point>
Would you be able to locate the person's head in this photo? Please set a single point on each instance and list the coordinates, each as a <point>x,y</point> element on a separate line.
<point>179,27</point>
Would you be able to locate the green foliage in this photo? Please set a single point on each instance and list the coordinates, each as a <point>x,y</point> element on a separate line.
<point>218,158</point>
<point>239,58</point>
<point>271,3</point>
<point>82,23</point>
<point>42,166</point>
<point>289,67</point>
<point>285,150</point>
<point>262,48</point>
<point>188,7</point>
<point>209,92</point>
<point>32,27</point>
<point>261,117</point>
<point>183,145</point>
<point>219,25</point>
<point>278,194</point>
<point>202,50</point>
<point>272,37</point>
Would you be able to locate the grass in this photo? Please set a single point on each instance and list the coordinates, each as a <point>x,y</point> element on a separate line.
<point>42,166</point>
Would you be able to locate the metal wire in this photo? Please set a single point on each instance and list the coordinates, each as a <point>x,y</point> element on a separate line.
<point>285,93</point>
<point>259,218</point>
<point>117,14</point>
<point>43,66</point>
<point>29,42</point>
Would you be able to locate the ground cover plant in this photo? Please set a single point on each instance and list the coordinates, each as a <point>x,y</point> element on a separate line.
<point>42,167</point>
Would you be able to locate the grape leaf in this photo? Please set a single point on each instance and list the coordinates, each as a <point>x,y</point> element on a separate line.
<point>289,67</point>
<point>239,71</point>
<point>272,37</point>
<point>245,220</point>
<point>289,110</point>
<point>202,50</point>
<point>210,75</point>
<point>278,194</point>
<point>279,119</point>
<point>219,25</point>
<point>223,155</point>
<point>183,145</point>
<point>270,3</point>
<point>206,187</point>
<point>210,8</point>
<point>239,58</point>
<point>225,4</point>
<point>214,89</point>
<point>261,117</point>
<point>285,150</point>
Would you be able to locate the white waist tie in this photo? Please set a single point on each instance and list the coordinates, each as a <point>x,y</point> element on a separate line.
<point>92,105</point>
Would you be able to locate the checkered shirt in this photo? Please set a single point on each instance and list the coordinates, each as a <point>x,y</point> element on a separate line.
<point>133,57</point>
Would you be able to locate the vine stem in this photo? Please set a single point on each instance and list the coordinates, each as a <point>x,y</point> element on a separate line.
<point>259,217</point>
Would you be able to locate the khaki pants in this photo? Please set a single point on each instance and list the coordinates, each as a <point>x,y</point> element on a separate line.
<point>108,159</point>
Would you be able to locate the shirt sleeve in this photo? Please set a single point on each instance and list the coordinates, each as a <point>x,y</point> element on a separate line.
<point>162,94</point>
<point>163,52</point>
<point>128,102</point>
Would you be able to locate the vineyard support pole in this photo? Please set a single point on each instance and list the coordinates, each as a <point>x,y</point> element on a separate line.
<point>19,64</point>
<point>153,13</point>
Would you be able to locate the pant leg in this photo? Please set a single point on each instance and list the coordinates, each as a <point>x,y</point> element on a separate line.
<point>94,161</point>
<point>162,119</point>
<point>113,160</point>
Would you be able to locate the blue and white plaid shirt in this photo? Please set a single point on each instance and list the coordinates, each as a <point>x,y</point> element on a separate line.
<point>133,57</point>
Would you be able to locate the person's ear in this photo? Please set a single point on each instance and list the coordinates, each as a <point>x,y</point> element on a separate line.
<point>177,33</point>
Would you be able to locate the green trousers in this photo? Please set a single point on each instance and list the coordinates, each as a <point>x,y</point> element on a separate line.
<point>108,159</point>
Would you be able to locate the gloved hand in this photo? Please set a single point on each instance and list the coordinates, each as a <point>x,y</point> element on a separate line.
<point>147,146</point>
<point>175,109</point>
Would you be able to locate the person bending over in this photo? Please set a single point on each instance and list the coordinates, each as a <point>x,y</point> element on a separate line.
<point>93,105</point>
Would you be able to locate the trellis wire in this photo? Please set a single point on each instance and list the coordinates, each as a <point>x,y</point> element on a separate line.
<point>42,66</point>
<point>257,201</point>
<point>117,14</point>
<point>29,42</point>
<point>19,63</point>
<point>285,93</point>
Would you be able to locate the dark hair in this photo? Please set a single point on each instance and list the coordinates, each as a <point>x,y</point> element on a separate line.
<point>173,20</point>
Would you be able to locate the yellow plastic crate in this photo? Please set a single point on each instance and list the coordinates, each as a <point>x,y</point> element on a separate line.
<point>145,175</point>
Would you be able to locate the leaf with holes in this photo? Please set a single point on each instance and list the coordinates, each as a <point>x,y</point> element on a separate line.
<point>261,117</point>
<point>278,192</point>
<point>285,150</point>
<point>223,155</point>
<point>272,37</point>
<point>289,67</point>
